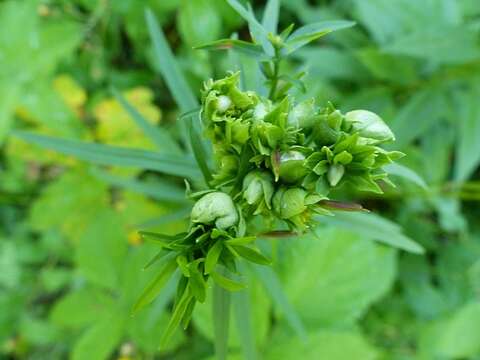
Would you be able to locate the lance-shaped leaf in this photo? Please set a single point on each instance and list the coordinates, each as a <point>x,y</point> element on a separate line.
<point>243,47</point>
<point>212,256</point>
<point>270,16</point>
<point>116,156</point>
<point>168,67</point>
<point>311,32</point>
<point>199,152</point>
<point>406,173</point>
<point>226,283</point>
<point>158,190</point>
<point>257,31</point>
<point>153,289</point>
<point>249,254</point>
<point>179,312</point>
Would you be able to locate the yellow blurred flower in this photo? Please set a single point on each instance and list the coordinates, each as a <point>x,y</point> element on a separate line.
<point>115,125</point>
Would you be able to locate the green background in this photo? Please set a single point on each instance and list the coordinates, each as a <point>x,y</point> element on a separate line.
<point>70,257</point>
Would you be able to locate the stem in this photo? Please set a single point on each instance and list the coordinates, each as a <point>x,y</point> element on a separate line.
<point>276,72</point>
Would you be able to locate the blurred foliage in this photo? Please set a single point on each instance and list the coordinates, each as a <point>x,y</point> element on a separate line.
<point>70,257</point>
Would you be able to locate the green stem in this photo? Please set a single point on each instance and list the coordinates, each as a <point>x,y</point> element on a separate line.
<point>274,79</point>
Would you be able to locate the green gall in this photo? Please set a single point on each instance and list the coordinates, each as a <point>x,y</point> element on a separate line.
<point>369,125</point>
<point>215,208</point>
<point>335,174</point>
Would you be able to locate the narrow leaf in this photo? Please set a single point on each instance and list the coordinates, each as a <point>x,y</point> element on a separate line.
<point>226,283</point>
<point>251,254</point>
<point>169,69</point>
<point>161,255</point>
<point>241,240</point>
<point>158,190</point>
<point>197,283</point>
<point>212,256</point>
<point>116,156</point>
<point>156,285</point>
<point>221,320</point>
<point>406,173</point>
<point>243,47</point>
<point>178,313</point>
<point>311,32</point>
<point>257,31</point>
<point>199,151</point>
<point>160,137</point>
<point>243,320</point>
<point>270,16</point>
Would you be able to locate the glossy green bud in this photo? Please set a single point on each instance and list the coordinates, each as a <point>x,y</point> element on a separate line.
<point>258,187</point>
<point>369,125</point>
<point>215,208</point>
<point>292,167</point>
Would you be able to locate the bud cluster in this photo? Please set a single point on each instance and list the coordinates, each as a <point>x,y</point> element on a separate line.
<point>288,156</point>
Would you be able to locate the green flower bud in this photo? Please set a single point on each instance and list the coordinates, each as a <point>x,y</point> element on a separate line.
<point>335,174</point>
<point>258,188</point>
<point>289,202</point>
<point>302,115</point>
<point>260,111</point>
<point>369,125</point>
<point>215,208</point>
<point>292,167</point>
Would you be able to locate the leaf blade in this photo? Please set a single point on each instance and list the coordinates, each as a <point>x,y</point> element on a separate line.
<point>114,155</point>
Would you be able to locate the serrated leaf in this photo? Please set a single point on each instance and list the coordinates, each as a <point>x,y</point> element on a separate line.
<point>348,283</point>
<point>115,156</point>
